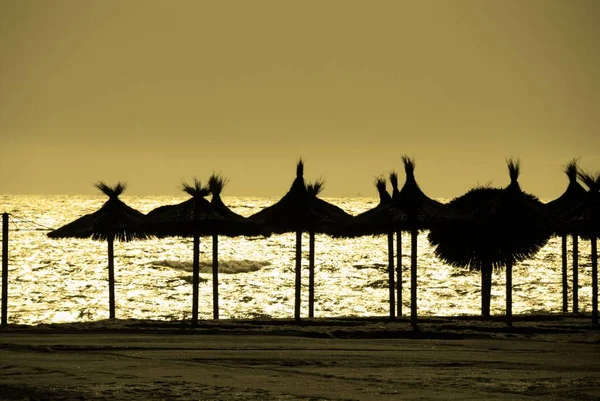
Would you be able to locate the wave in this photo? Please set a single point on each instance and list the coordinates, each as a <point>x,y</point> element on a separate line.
<point>378,266</point>
<point>225,266</point>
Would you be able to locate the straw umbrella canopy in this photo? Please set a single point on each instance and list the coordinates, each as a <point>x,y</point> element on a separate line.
<point>373,221</point>
<point>561,206</point>
<point>412,211</point>
<point>236,225</point>
<point>573,195</point>
<point>473,200</point>
<point>585,218</point>
<point>298,211</point>
<point>421,213</point>
<point>585,221</point>
<point>113,221</point>
<point>193,218</point>
<point>509,228</point>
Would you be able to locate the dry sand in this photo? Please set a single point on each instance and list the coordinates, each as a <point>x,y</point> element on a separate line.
<point>542,357</point>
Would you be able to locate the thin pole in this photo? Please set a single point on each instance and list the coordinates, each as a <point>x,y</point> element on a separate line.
<point>487,272</point>
<point>215,274</point>
<point>594,280</point>
<point>413,278</point>
<point>298,274</point>
<point>565,282</point>
<point>391,275</point>
<point>195,279</point>
<point>311,274</point>
<point>111,277</point>
<point>575,274</point>
<point>4,269</point>
<point>399,272</point>
<point>509,268</point>
<point>483,286</point>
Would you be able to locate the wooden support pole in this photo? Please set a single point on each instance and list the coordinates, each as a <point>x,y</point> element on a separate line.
<point>215,276</point>
<point>4,269</point>
<point>413,279</point>
<point>311,274</point>
<point>509,271</point>
<point>111,277</point>
<point>399,273</point>
<point>391,275</point>
<point>298,284</point>
<point>195,279</point>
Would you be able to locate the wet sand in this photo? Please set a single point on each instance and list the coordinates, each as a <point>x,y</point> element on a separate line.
<point>542,357</point>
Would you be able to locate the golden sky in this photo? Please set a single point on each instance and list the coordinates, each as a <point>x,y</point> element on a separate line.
<point>153,92</point>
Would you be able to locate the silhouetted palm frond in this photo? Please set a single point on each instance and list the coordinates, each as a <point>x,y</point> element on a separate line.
<point>196,189</point>
<point>316,188</point>
<point>300,168</point>
<point>514,169</point>
<point>216,183</point>
<point>571,169</point>
<point>394,182</point>
<point>384,196</point>
<point>111,192</point>
<point>592,181</point>
<point>409,165</point>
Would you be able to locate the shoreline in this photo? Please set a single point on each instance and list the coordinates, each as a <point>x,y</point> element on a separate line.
<point>543,327</point>
<point>544,357</point>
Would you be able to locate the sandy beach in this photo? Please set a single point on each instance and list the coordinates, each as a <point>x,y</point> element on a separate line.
<point>550,357</point>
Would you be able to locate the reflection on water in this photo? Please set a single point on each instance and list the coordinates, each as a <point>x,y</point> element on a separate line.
<point>66,280</point>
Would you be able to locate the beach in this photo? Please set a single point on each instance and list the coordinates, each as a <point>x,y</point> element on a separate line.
<point>554,357</point>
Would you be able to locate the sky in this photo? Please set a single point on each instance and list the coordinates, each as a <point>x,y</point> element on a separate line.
<point>156,92</point>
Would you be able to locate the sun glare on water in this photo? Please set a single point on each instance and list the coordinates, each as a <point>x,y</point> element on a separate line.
<point>66,280</point>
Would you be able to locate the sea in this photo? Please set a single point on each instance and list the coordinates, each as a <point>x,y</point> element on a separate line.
<point>66,280</point>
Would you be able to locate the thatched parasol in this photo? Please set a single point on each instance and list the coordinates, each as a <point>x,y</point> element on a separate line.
<point>373,221</point>
<point>585,221</point>
<point>410,210</point>
<point>585,218</point>
<point>299,211</point>
<point>236,225</point>
<point>508,228</point>
<point>193,218</point>
<point>573,195</point>
<point>421,212</point>
<point>114,220</point>
<point>561,206</point>
<point>474,199</point>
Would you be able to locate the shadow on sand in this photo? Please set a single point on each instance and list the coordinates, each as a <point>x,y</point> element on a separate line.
<point>539,327</point>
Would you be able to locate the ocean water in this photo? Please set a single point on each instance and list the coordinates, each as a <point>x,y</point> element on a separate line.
<point>66,280</point>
